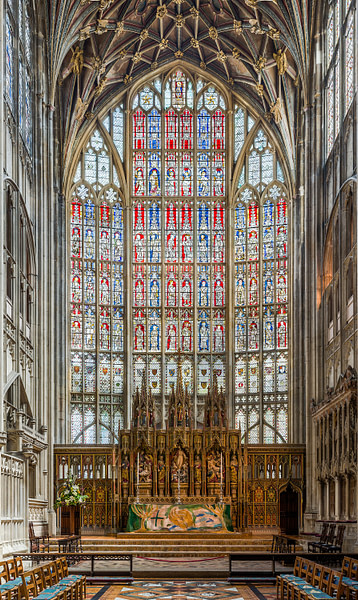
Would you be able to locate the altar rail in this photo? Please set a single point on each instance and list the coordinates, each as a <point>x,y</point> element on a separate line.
<point>75,557</point>
<point>236,575</point>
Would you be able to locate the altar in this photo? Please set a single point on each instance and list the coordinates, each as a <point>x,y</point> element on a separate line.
<point>181,478</point>
<point>179,517</point>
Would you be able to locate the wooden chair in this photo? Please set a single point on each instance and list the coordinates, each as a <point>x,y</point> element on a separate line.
<point>66,579</point>
<point>300,588</point>
<point>4,572</point>
<point>338,542</point>
<point>353,573</point>
<point>282,580</point>
<point>5,594</point>
<point>322,539</point>
<point>346,566</point>
<point>28,588</point>
<point>39,540</point>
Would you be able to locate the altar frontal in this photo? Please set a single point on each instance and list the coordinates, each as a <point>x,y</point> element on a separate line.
<point>179,517</point>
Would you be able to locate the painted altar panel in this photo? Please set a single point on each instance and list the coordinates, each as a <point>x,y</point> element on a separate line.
<point>179,517</point>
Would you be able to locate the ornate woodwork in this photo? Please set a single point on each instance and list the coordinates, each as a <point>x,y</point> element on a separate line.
<point>335,420</point>
<point>181,463</point>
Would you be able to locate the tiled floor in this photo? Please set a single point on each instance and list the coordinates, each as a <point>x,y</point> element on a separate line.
<point>180,590</point>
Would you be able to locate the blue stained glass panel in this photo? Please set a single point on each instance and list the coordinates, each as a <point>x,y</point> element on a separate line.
<point>154,286</point>
<point>203,175</point>
<point>203,331</point>
<point>154,174</point>
<point>204,130</point>
<point>154,130</point>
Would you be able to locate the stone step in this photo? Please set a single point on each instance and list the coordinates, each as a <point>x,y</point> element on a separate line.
<point>194,547</point>
<point>185,537</point>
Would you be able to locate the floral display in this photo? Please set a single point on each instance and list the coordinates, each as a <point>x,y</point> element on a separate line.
<point>70,494</point>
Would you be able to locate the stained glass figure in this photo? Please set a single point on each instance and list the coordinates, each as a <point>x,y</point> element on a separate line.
<point>139,174</point>
<point>154,174</point>
<point>203,331</point>
<point>179,83</point>
<point>154,331</point>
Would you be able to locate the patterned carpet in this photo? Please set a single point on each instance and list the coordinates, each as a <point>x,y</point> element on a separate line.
<point>180,590</point>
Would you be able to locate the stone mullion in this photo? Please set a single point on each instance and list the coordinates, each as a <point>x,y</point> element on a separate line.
<point>97,307</point>
<point>127,266</point>
<point>128,309</point>
<point>229,262</point>
<point>162,288</point>
<point>2,234</point>
<point>162,257</point>
<point>195,303</point>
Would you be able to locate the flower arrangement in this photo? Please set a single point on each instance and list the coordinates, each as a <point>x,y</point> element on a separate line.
<point>70,494</point>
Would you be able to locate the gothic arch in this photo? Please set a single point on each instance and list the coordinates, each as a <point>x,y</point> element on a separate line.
<point>271,181</point>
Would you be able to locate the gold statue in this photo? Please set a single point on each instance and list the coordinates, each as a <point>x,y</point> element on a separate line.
<point>77,60</point>
<point>281,61</point>
<point>275,110</point>
<point>81,108</point>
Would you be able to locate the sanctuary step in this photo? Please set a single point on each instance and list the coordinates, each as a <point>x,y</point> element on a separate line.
<point>161,544</point>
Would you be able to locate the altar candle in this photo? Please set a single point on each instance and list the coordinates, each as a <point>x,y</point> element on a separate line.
<point>221,469</point>
<point>138,468</point>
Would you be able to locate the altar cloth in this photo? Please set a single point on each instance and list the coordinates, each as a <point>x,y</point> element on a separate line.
<point>179,517</point>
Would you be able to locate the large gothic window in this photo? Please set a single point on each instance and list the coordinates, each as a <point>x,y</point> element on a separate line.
<point>96,221</point>
<point>18,67</point>
<point>340,65</point>
<point>149,268</point>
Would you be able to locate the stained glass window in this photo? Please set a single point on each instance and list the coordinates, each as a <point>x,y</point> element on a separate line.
<point>168,298</point>
<point>349,63</point>
<point>97,246</point>
<point>9,64</point>
<point>25,76</point>
<point>260,292</point>
<point>178,233</point>
<point>330,113</point>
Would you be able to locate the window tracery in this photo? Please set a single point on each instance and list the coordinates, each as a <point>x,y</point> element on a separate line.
<point>18,67</point>
<point>261,297</point>
<point>175,240</point>
<point>97,314</point>
<point>340,66</point>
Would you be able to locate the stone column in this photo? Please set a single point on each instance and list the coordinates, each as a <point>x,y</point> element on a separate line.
<point>320,500</point>
<point>337,497</point>
<point>327,510</point>
<point>346,499</point>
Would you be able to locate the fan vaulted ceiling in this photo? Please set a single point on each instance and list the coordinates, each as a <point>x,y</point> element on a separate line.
<point>100,47</point>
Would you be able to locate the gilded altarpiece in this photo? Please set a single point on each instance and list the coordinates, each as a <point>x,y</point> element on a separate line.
<point>182,465</point>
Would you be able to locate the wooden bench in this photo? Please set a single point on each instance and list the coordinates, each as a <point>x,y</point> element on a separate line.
<point>39,537</point>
